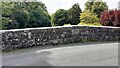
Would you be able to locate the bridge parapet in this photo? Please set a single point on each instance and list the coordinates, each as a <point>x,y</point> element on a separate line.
<point>23,38</point>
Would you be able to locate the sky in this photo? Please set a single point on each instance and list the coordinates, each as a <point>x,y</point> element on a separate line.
<point>54,5</point>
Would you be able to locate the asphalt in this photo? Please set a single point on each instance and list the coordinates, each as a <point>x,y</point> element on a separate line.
<point>92,54</point>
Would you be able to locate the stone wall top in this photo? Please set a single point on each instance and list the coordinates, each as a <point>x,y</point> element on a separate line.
<point>58,27</point>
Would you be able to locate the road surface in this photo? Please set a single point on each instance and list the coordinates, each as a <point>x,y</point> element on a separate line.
<point>99,54</point>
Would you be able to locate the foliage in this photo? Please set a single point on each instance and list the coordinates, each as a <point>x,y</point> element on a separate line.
<point>89,18</point>
<point>59,18</point>
<point>96,6</point>
<point>71,16</point>
<point>89,4</point>
<point>89,24</point>
<point>38,18</point>
<point>67,25</point>
<point>74,14</point>
<point>99,7</point>
<point>24,15</point>
<point>110,18</point>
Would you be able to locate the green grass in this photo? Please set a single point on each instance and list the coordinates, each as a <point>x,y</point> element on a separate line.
<point>86,24</point>
<point>66,24</point>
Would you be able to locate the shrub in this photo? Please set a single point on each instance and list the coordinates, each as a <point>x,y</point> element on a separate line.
<point>94,24</point>
<point>88,17</point>
<point>110,18</point>
<point>67,25</point>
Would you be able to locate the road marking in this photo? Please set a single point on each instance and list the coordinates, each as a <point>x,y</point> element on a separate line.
<point>54,49</point>
<point>71,47</point>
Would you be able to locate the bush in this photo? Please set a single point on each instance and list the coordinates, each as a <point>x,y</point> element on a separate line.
<point>88,17</point>
<point>94,24</point>
<point>67,25</point>
<point>110,18</point>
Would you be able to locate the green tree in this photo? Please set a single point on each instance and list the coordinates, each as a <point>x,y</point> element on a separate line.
<point>38,15</point>
<point>38,18</point>
<point>96,6</point>
<point>24,15</point>
<point>89,4</point>
<point>59,18</point>
<point>7,11</point>
<point>99,7</point>
<point>74,14</point>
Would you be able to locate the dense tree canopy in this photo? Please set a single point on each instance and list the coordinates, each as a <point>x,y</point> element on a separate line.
<point>89,4</point>
<point>35,14</point>
<point>99,7</point>
<point>59,18</point>
<point>24,15</point>
<point>74,14</point>
<point>96,6</point>
<point>71,16</point>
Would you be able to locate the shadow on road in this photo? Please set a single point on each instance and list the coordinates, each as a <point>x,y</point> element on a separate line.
<point>31,59</point>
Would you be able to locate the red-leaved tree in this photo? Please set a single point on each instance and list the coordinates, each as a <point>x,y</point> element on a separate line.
<point>110,18</point>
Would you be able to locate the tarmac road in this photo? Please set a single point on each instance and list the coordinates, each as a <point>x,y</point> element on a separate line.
<point>100,54</point>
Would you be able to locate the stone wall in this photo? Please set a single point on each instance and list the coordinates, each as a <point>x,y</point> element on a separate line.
<point>23,38</point>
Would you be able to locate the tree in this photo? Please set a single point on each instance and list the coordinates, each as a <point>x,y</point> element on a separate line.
<point>38,15</point>
<point>7,11</point>
<point>24,15</point>
<point>59,18</point>
<point>89,18</point>
<point>89,4</point>
<point>110,18</point>
<point>74,14</point>
<point>96,6</point>
<point>99,7</point>
<point>38,18</point>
